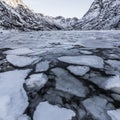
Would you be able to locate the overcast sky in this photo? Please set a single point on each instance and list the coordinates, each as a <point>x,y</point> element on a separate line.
<point>66,8</point>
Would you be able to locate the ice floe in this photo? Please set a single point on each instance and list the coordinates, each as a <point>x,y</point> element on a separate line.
<point>67,83</point>
<point>114,114</point>
<point>42,66</point>
<point>13,98</point>
<point>45,111</point>
<point>21,61</point>
<point>24,117</point>
<point>97,107</point>
<point>19,51</point>
<point>36,81</point>
<point>114,66</point>
<point>85,52</point>
<point>78,70</point>
<point>108,83</point>
<point>88,60</point>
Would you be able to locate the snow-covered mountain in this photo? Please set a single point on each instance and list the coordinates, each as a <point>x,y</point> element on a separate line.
<point>14,14</point>
<point>103,14</point>
<point>66,23</point>
<point>15,3</point>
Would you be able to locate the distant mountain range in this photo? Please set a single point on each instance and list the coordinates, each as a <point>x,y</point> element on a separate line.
<point>103,14</point>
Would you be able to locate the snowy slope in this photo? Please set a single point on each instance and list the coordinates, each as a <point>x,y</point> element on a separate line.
<point>16,15</point>
<point>103,14</point>
<point>66,23</point>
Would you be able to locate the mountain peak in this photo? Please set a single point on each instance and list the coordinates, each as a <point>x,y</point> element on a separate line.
<point>14,3</point>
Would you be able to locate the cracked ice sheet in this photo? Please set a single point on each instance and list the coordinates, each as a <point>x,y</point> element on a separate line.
<point>101,39</point>
<point>13,98</point>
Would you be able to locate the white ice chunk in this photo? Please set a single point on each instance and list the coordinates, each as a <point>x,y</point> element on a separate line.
<point>19,51</point>
<point>114,114</point>
<point>42,66</point>
<point>67,83</point>
<point>13,98</point>
<point>21,61</point>
<point>113,82</point>
<point>97,107</point>
<point>36,81</point>
<point>85,52</point>
<point>24,117</point>
<point>115,64</point>
<point>45,111</point>
<point>78,70</point>
<point>88,60</point>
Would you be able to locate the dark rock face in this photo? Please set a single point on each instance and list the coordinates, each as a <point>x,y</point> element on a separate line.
<point>103,14</point>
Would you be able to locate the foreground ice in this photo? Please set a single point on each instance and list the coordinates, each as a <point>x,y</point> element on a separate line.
<point>24,117</point>
<point>115,114</point>
<point>80,51</point>
<point>67,83</point>
<point>88,60</point>
<point>108,83</point>
<point>97,107</point>
<point>45,111</point>
<point>36,81</point>
<point>78,70</point>
<point>115,65</point>
<point>113,82</point>
<point>21,61</point>
<point>13,98</point>
<point>42,66</point>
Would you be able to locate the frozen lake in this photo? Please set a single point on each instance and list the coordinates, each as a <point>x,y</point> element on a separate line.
<point>60,39</point>
<point>64,75</point>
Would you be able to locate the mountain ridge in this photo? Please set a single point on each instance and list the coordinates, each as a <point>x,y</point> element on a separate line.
<point>14,14</point>
<point>103,14</point>
<point>22,18</point>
